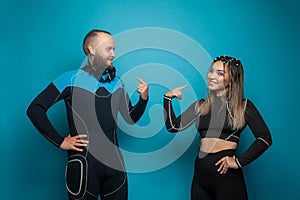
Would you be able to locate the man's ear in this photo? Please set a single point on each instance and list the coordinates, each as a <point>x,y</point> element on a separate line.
<point>91,49</point>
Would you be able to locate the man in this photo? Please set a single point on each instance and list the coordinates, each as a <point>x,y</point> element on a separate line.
<point>93,97</point>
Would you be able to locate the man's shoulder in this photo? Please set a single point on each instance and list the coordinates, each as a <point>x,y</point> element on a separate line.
<point>82,79</point>
<point>66,79</point>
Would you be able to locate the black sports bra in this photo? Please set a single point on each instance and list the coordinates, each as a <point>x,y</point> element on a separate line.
<point>215,125</point>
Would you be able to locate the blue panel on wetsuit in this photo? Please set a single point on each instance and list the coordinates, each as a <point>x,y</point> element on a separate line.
<point>82,79</point>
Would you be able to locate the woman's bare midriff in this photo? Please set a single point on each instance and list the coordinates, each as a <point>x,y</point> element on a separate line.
<point>213,145</point>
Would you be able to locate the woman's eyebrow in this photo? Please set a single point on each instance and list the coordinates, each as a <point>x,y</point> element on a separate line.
<point>220,70</point>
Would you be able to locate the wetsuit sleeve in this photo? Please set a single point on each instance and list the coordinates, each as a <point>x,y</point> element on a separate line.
<point>185,120</point>
<point>261,132</point>
<point>37,113</point>
<point>130,113</point>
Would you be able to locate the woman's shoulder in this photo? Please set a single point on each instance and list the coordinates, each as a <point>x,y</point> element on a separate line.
<point>247,102</point>
<point>199,101</point>
<point>249,105</point>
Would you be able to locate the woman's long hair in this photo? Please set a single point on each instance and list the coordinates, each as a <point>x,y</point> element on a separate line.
<point>234,95</point>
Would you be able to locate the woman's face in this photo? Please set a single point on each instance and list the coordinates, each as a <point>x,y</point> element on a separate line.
<point>218,77</point>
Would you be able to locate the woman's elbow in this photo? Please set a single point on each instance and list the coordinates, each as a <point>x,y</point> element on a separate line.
<point>29,111</point>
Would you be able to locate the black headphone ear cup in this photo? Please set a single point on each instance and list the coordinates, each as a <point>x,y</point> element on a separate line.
<point>108,75</point>
<point>113,73</point>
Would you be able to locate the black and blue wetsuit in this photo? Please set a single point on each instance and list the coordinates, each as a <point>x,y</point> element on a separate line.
<point>92,108</point>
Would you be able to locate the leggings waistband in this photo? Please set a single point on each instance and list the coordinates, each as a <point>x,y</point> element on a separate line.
<point>225,152</point>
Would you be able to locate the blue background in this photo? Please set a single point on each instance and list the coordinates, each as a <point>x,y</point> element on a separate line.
<point>41,39</point>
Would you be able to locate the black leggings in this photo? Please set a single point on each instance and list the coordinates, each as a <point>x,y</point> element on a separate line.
<point>87,178</point>
<point>209,184</point>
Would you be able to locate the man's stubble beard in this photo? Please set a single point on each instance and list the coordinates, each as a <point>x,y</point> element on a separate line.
<point>99,64</point>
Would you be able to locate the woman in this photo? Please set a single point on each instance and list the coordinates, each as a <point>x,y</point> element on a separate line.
<point>220,119</point>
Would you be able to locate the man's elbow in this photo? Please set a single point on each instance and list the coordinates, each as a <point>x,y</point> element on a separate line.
<point>172,130</point>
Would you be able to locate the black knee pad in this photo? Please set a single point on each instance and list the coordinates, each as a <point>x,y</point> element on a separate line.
<point>76,176</point>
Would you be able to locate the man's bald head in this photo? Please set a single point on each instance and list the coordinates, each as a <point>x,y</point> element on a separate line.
<point>91,37</point>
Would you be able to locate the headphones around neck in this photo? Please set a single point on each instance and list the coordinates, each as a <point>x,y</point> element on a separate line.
<point>108,75</point>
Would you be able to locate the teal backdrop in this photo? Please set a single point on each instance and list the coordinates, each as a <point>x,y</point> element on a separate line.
<point>39,40</point>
